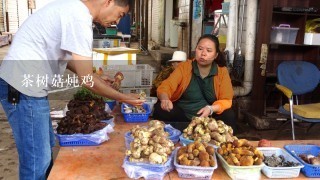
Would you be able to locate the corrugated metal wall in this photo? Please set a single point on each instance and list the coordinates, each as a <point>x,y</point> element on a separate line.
<point>155,7</point>
<point>149,19</point>
<point>41,3</point>
<point>184,10</point>
<point>23,11</point>
<point>2,15</point>
<point>18,12</point>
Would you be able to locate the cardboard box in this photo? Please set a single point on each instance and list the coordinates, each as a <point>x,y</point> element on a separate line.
<point>312,38</point>
<point>106,43</point>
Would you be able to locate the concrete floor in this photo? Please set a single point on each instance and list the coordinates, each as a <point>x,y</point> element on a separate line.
<point>9,156</point>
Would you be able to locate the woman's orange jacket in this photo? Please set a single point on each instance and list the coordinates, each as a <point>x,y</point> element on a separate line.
<point>179,79</point>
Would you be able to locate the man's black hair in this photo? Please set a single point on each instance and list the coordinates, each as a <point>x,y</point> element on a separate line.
<point>122,3</point>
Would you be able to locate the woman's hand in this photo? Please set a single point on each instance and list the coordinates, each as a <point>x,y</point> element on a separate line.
<point>205,111</point>
<point>166,105</point>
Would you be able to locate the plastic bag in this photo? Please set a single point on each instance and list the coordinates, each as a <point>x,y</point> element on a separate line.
<point>94,138</point>
<point>173,135</point>
<point>184,141</point>
<point>147,170</point>
<point>107,108</point>
<point>110,122</point>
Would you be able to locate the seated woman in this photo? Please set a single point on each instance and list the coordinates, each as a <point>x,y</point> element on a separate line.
<point>177,57</point>
<point>199,87</point>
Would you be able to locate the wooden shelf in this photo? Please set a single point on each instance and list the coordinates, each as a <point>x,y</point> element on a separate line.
<point>294,13</point>
<point>315,15</point>
<point>271,45</point>
<point>264,97</point>
<point>271,75</point>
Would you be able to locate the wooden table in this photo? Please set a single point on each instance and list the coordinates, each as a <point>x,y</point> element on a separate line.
<point>105,161</point>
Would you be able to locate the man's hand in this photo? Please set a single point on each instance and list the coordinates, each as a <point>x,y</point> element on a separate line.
<point>133,99</point>
<point>137,96</point>
<point>107,79</point>
<point>82,66</point>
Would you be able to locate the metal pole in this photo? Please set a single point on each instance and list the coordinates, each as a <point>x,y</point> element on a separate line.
<point>143,50</point>
<point>146,24</point>
<point>140,18</point>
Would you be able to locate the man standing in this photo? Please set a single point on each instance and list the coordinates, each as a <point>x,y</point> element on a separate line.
<point>56,37</point>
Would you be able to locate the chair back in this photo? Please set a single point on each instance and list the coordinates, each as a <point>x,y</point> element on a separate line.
<point>299,76</point>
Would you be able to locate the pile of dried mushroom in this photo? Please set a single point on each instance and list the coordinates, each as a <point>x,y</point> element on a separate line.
<point>84,114</point>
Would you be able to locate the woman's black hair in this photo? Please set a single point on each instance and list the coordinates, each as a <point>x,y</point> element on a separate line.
<point>220,60</point>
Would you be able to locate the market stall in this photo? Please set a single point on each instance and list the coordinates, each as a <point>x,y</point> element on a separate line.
<point>105,161</point>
